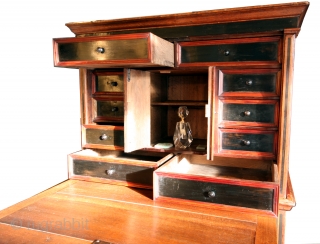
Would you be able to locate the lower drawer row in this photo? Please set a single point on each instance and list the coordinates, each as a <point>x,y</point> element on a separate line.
<point>243,184</point>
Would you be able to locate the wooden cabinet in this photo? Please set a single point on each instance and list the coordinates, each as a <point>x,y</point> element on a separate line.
<point>232,68</point>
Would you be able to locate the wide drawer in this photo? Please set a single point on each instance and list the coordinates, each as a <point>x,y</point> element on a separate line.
<point>103,137</point>
<point>248,113</point>
<point>115,167</point>
<point>127,50</point>
<point>249,83</point>
<point>249,184</point>
<point>247,143</point>
<point>232,51</point>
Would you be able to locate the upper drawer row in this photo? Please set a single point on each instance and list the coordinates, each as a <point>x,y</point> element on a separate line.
<point>146,49</point>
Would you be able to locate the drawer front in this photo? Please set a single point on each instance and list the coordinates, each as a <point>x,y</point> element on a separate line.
<point>213,51</point>
<point>103,50</point>
<point>120,172</point>
<point>255,142</point>
<point>109,83</point>
<point>124,50</point>
<point>110,109</point>
<point>262,113</point>
<point>105,137</point>
<point>263,82</point>
<point>233,195</point>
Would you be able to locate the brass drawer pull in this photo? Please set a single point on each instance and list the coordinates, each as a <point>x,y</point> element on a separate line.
<point>114,109</point>
<point>114,83</point>
<point>226,53</point>
<point>245,143</point>
<point>100,49</point>
<point>249,82</point>
<point>110,171</point>
<point>105,137</point>
<point>247,113</point>
<point>211,194</point>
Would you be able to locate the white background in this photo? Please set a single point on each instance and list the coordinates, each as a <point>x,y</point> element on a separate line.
<point>39,104</point>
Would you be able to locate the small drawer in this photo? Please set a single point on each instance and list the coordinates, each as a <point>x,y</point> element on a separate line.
<point>115,167</point>
<point>249,184</point>
<point>104,137</point>
<point>232,51</point>
<point>126,50</point>
<point>110,109</point>
<point>247,143</point>
<point>106,82</point>
<point>249,83</point>
<point>249,113</point>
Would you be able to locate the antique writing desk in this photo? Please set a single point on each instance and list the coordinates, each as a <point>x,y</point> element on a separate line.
<point>233,69</point>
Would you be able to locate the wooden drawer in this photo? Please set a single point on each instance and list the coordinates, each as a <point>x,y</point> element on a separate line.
<point>109,110</point>
<point>248,113</point>
<point>103,137</point>
<point>234,51</point>
<point>127,50</point>
<point>107,82</point>
<point>249,83</point>
<point>115,167</point>
<point>246,143</point>
<point>249,184</point>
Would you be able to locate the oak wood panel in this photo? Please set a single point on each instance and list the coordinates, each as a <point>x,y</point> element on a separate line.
<point>18,234</point>
<point>195,18</point>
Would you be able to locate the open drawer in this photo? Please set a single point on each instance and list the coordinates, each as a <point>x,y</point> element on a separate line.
<point>236,184</point>
<point>126,50</point>
<point>115,167</point>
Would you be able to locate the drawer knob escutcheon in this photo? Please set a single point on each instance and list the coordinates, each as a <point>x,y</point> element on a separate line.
<point>247,113</point>
<point>249,82</point>
<point>110,171</point>
<point>211,194</point>
<point>246,143</point>
<point>100,49</point>
<point>104,137</point>
<point>226,52</point>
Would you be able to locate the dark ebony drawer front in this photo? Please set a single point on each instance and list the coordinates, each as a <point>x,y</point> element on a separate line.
<point>248,142</point>
<point>105,137</point>
<point>122,172</point>
<point>263,113</point>
<point>249,83</point>
<point>110,109</point>
<point>109,83</point>
<point>261,51</point>
<point>233,195</point>
<point>103,50</point>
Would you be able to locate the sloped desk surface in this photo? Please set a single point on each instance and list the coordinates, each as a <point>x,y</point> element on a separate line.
<point>81,212</point>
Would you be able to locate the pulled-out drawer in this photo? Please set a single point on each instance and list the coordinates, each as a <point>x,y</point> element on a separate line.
<point>103,137</point>
<point>251,50</point>
<point>126,50</point>
<point>247,185</point>
<point>259,144</point>
<point>115,167</point>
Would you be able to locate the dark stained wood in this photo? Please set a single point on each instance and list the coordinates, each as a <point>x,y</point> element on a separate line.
<point>275,11</point>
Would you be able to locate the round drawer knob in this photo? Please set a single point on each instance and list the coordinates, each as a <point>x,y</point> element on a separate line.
<point>114,83</point>
<point>247,113</point>
<point>226,53</point>
<point>104,137</point>
<point>249,82</point>
<point>110,171</point>
<point>211,194</point>
<point>114,109</point>
<point>246,143</point>
<point>100,49</point>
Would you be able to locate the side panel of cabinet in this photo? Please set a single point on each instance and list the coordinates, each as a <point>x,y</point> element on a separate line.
<point>136,109</point>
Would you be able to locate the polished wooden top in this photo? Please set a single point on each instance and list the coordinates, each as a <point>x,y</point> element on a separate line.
<point>81,212</point>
